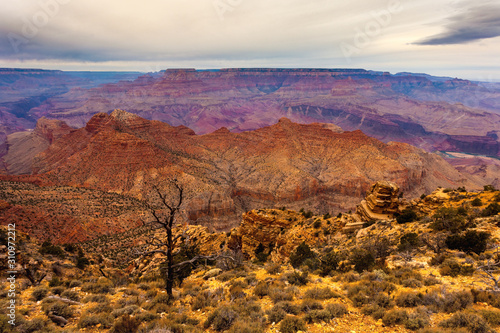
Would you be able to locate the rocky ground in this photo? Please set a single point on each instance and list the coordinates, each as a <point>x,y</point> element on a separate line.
<point>422,268</point>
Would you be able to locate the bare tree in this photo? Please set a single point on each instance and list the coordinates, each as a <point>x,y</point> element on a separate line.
<point>489,271</point>
<point>165,216</point>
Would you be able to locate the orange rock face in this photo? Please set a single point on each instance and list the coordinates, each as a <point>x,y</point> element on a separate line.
<point>286,164</point>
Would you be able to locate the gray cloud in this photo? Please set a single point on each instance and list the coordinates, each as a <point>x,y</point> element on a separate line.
<point>474,24</point>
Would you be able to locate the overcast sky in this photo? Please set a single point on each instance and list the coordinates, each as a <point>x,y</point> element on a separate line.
<point>441,37</point>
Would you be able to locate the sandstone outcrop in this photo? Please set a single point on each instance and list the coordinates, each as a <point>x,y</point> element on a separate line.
<point>381,203</point>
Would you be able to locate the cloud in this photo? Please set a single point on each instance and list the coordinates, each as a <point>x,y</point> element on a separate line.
<point>476,23</point>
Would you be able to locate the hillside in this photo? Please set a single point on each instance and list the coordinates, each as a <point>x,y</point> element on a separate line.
<point>299,272</point>
<point>317,167</point>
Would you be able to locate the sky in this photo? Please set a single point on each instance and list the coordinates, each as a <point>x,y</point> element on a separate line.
<point>457,38</point>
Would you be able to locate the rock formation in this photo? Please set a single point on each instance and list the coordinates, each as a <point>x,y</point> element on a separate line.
<point>380,203</point>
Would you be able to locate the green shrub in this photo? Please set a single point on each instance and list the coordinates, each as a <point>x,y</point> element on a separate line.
<point>90,320</point>
<point>292,324</point>
<point>60,309</point>
<point>246,327</point>
<point>57,290</point>
<point>309,305</point>
<point>449,219</point>
<point>221,319</point>
<point>49,248</point>
<point>362,259</point>
<point>72,295</point>
<point>75,283</point>
<point>491,316</point>
<point>39,293</point>
<point>96,299</point>
<point>279,295</point>
<point>273,268</point>
<point>488,297</point>
<point>452,268</point>
<point>408,241</point>
<point>301,253</point>
<point>489,188</point>
<point>471,241</point>
<point>100,287</point>
<point>373,310</point>
<point>320,293</point>
<point>491,210</point>
<point>275,314</point>
<point>128,310</point>
<point>261,289</point>
<point>409,299</point>
<point>288,307</point>
<point>448,301</point>
<point>395,317</point>
<point>330,262</point>
<point>297,278</point>
<point>477,202</point>
<point>125,324</point>
<point>407,215</point>
<point>317,316</point>
<point>337,310</point>
<point>472,322</point>
<point>417,320</point>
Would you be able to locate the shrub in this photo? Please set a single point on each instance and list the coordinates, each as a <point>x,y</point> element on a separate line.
<point>260,253</point>
<point>337,310</point>
<point>407,215</point>
<point>408,241</point>
<point>49,248</point>
<point>450,267</point>
<point>90,320</point>
<point>417,320</point>
<point>488,297</point>
<point>288,307</point>
<point>450,219</point>
<point>489,188</point>
<point>329,262</point>
<point>317,316</point>
<point>100,287</point>
<point>57,290</point>
<point>297,278</point>
<point>246,327</point>
<point>128,310</point>
<point>278,295</point>
<point>39,293</point>
<point>412,283</point>
<point>275,314</point>
<point>261,289</point>
<point>470,321</point>
<point>273,268</point>
<point>395,317</point>
<point>320,293</point>
<point>301,253</point>
<point>431,281</point>
<point>477,202</point>
<point>471,241</point>
<point>409,299</point>
<point>373,310</point>
<point>72,295</point>
<point>292,324</point>
<point>221,319</point>
<point>491,210</point>
<point>362,260</point>
<point>125,324</point>
<point>448,301</point>
<point>96,299</point>
<point>60,309</point>
<point>309,305</point>
<point>491,316</point>
<point>75,283</point>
